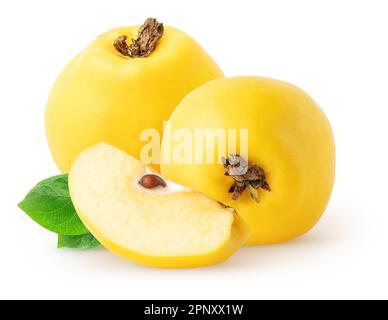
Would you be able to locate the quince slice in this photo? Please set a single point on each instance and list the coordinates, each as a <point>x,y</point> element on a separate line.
<point>139,216</point>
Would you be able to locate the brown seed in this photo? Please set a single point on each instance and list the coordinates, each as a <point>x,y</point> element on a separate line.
<point>151,181</point>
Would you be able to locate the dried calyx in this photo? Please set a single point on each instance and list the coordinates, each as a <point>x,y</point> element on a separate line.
<point>145,43</point>
<point>245,176</point>
<point>151,181</point>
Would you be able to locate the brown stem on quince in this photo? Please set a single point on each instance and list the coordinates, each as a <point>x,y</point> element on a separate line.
<point>245,176</point>
<point>148,36</point>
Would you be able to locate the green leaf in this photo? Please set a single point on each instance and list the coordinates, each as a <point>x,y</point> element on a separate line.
<point>85,241</point>
<point>49,204</point>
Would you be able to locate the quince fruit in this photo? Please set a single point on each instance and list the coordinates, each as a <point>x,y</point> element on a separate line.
<point>283,186</point>
<point>115,89</point>
<point>138,215</point>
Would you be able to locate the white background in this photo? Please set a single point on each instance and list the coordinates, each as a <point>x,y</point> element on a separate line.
<point>336,50</point>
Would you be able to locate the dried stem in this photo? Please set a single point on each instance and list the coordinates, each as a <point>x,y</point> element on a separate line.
<point>148,36</point>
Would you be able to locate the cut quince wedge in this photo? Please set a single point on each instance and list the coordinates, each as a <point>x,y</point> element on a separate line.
<point>139,216</point>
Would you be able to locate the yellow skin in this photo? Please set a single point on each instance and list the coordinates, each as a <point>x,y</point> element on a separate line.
<point>239,232</point>
<point>104,96</point>
<point>289,137</point>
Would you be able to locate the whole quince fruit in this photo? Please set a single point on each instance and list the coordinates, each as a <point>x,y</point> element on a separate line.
<point>282,186</point>
<point>115,88</point>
